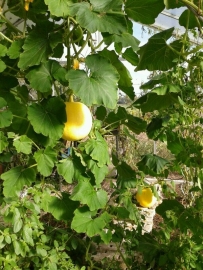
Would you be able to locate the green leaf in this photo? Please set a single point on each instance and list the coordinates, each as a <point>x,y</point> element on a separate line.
<point>106,5</point>
<point>98,150</point>
<point>40,250</point>
<point>169,204</point>
<point>173,4</point>
<point>126,176</point>
<point>84,223</point>
<point>7,82</point>
<point>27,235</point>
<point>86,194</point>
<point>125,81</point>
<point>23,144</point>
<point>36,49</point>
<point>59,8</point>
<point>151,102</point>
<point>17,221</point>
<point>20,122</point>
<point>15,179</point>
<point>189,20</point>
<point>156,54</point>
<point>48,118</point>
<point>61,208</point>
<point>101,113</point>
<point>3,142</point>
<point>5,114</point>
<point>5,157</point>
<point>167,88</point>
<point>8,239</point>
<point>3,50</point>
<point>45,159</point>
<point>106,236</point>
<point>2,66</point>
<point>131,208</point>
<point>131,56</point>
<point>156,80</point>
<point>18,247</point>
<point>144,11</point>
<point>41,78</point>
<point>92,20</point>
<point>122,41</point>
<point>99,172</point>
<point>66,169</point>
<point>152,164</point>
<point>100,86</point>
<point>155,127</point>
<point>135,124</point>
<point>15,49</point>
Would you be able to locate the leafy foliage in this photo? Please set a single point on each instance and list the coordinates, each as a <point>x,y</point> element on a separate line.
<point>57,202</point>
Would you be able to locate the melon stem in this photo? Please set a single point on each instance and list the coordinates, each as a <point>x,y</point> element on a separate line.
<point>71,98</point>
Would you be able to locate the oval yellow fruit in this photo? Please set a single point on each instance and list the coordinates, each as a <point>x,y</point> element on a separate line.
<point>146,198</point>
<point>79,121</point>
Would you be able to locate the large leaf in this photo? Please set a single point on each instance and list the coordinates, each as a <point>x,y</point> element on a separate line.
<point>41,78</point>
<point>86,194</point>
<point>125,81</point>
<point>156,54</point>
<point>173,4</point>
<point>98,150</point>
<point>83,222</point>
<point>155,127</point>
<point>3,142</point>
<point>87,17</point>
<point>23,144</point>
<point>48,118</point>
<point>152,164</point>
<point>61,208</point>
<point>106,5</point>
<point>169,205</point>
<point>126,176</point>
<point>156,80</point>
<point>99,86</point>
<point>20,122</point>
<point>99,172</point>
<point>66,169</point>
<point>45,159</point>
<point>131,56</point>
<point>151,101</point>
<point>189,20</point>
<point>6,115</point>
<point>36,49</point>
<point>144,11</point>
<point>136,124</point>
<point>60,8</point>
<point>124,39</point>
<point>15,49</point>
<point>15,179</point>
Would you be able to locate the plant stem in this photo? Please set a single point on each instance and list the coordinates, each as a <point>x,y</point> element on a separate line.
<point>83,46</point>
<point>68,46</point>
<point>3,3</point>
<point>19,117</point>
<point>56,88</point>
<point>10,24</point>
<point>5,37</point>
